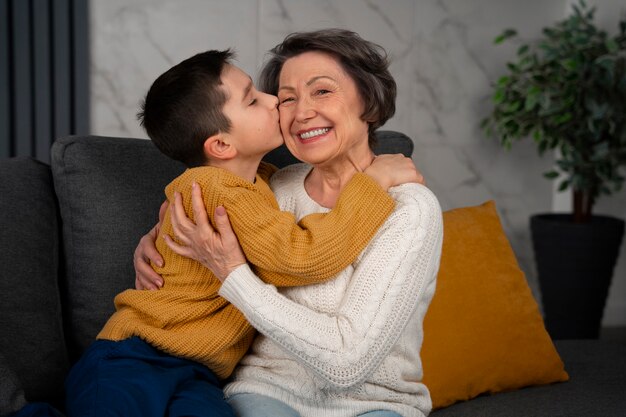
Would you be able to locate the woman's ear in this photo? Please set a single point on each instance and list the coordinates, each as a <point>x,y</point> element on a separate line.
<point>219,147</point>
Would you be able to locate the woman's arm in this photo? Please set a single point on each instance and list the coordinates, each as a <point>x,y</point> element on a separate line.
<point>395,274</point>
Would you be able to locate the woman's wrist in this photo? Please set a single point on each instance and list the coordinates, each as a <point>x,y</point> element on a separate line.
<point>240,279</point>
<point>223,272</point>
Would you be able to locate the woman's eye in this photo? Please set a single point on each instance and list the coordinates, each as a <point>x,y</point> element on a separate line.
<point>322,91</point>
<point>253,102</point>
<point>286,100</point>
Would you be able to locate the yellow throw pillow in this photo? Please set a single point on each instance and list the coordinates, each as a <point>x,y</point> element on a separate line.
<point>483,332</point>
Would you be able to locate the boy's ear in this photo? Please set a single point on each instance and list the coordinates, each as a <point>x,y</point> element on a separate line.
<point>219,147</point>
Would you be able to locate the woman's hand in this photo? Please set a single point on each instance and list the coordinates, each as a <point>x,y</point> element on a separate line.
<point>145,277</point>
<point>389,170</point>
<point>217,250</point>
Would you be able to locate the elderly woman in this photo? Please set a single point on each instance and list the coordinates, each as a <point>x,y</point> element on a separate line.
<point>350,346</point>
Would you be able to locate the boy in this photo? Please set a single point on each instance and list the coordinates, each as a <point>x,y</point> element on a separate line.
<point>165,352</point>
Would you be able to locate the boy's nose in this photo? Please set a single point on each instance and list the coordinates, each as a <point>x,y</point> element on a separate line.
<point>271,100</point>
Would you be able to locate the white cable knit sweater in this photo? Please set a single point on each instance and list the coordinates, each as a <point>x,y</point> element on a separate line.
<point>351,345</point>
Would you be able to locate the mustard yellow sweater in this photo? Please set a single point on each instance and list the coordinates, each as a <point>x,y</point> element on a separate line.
<point>187,317</point>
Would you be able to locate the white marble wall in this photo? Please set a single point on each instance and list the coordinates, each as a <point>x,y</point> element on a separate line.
<point>443,61</point>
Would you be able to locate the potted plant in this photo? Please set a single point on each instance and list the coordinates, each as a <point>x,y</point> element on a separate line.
<point>567,91</point>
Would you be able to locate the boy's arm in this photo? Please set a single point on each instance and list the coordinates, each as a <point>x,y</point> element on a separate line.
<point>317,248</point>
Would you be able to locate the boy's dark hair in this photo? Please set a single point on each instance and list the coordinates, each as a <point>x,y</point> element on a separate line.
<point>365,62</point>
<point>184,107</point>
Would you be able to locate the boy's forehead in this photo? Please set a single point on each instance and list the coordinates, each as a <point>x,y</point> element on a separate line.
<point>235,82</point>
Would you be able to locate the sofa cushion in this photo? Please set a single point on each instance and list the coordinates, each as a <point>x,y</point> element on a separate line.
<point>11,393</point>
<point>109,192</point>
<point>32,341</point>
<point>483,331</point>
<point>596,387</point>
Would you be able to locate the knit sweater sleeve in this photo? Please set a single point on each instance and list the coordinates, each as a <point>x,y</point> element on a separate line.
<point>315,249</point>
<point>395,275</point>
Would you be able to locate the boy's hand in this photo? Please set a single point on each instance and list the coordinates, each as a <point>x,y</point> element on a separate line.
<point>145,277</point>
<point>390,170</point>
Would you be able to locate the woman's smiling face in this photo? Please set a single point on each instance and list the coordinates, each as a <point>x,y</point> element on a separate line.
<point>320,110</point>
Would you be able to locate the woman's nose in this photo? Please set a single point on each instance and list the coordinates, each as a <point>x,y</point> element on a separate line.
<point>304,109</point>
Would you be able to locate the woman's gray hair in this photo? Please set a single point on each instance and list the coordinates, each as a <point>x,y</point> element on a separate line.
<point>365,62</point>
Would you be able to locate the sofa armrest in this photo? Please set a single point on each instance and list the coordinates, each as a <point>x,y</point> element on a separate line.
<point>32,341</point>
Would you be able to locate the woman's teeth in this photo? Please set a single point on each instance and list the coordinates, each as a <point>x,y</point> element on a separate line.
<point>312,133</point>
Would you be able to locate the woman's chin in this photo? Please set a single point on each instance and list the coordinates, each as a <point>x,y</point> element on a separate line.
<point>312,150</point>
<point>323,157</point>
<point>308,152</point>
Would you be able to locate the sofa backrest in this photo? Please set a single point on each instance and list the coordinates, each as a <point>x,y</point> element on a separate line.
<point>109,192</point>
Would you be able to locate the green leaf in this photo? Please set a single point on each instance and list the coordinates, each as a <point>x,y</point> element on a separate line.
<point>564,185</point>
<point>512,67</point>
<point>549,32</point>
<point>508,33</point>
<point>604,69</point>
<point>532,98</point>
<point>612,46</point>
<point>601,151</point>
<point>498,96</point>
<point>563,164</point>
<point>597,110</point>
<point>512,107</point>
<point>551,175</point>
<point>546,101</point>
<point>571,64</point>
<point>522,50</point>
<point>563,118</point>
<point>503,81</point>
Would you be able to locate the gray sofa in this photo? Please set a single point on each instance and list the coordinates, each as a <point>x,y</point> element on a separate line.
<point>68,234</point>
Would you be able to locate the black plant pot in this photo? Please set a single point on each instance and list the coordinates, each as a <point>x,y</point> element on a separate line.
<point>575,264</point>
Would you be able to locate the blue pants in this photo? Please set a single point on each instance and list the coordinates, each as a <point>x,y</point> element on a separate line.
<point>131,378</point>
<point>37,410</point>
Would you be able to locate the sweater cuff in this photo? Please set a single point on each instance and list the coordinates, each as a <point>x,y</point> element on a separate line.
<point>240,287</point>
